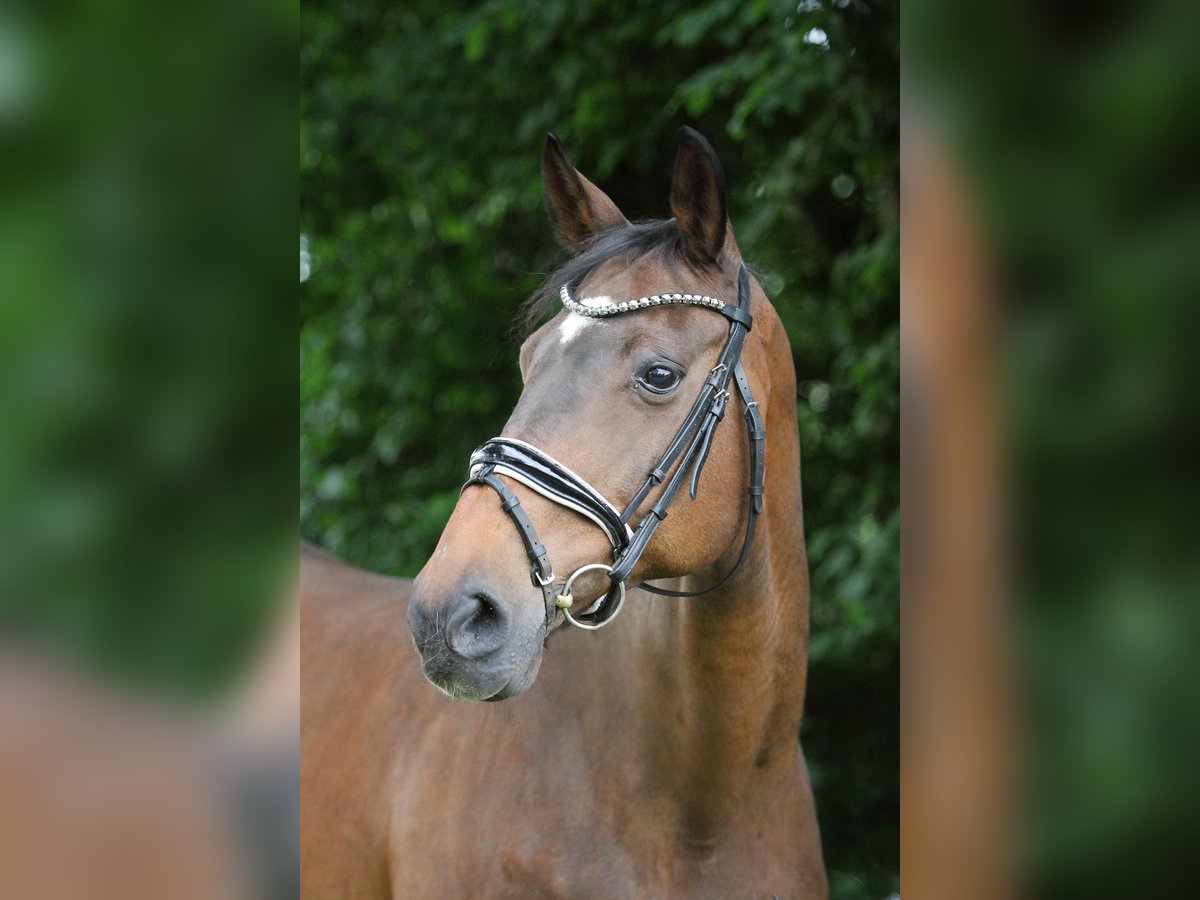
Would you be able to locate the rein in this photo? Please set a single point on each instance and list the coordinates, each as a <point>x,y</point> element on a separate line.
<point>689,448</point>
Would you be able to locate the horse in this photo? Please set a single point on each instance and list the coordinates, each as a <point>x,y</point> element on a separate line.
<point>650,754</point>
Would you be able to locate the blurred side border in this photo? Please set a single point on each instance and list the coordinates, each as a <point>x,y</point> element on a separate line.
<point>1051,216</point>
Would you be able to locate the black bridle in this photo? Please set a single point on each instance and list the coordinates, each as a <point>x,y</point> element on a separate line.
<point>689,448</point>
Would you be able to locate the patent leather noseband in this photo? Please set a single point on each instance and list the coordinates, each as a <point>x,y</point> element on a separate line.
<point>683,460</point>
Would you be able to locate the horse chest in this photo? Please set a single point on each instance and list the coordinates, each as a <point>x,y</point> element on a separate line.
<point>596,868</point>
<point>521,801</point>
<point>576,866</point>
<point>554,843</point>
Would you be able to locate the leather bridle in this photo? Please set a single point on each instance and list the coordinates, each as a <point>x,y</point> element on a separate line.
<point>689,448</point>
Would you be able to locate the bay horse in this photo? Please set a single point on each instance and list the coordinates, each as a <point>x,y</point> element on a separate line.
<point>657,757</point>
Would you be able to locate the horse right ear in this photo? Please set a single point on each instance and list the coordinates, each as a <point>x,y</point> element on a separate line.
<point>698,197</point>
<point>578,209</point>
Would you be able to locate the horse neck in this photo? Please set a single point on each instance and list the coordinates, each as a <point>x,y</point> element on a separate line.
<point>727,685</point>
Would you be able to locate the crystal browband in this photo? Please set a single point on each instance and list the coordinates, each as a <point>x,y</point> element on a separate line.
<point>612,309</point>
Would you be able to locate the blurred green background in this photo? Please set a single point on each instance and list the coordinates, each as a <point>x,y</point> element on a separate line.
<point>422,230</point>
<point>1080,160</point>
<point>147,179</point>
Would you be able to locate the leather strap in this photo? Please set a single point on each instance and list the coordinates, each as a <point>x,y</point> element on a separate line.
<point>757,435</point>
<point>542,574</point>
<point>756,430</point>
<point>686,433</point>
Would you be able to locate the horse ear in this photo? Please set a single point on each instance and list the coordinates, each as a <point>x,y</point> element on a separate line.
<point>698,197</point>
<point>578,209</point>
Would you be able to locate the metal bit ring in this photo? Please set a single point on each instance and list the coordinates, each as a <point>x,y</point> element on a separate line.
<point>564,600</point>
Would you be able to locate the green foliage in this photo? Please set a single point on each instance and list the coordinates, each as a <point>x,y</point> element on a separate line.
<point>421,129</point>
<point>146,479</point>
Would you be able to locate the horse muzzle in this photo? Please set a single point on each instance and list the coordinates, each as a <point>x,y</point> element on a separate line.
<point>471,645</point>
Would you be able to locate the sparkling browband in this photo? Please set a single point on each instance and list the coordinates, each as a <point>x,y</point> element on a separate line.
<point>612,309</point>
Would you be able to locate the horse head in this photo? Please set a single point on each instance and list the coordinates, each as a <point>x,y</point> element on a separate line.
<point>605,394</point>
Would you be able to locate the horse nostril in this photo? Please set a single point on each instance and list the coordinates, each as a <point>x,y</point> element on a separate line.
<point>487,611</point>
<point>477,626</point>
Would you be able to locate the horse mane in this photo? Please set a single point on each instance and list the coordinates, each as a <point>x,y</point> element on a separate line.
<point>658,238</point>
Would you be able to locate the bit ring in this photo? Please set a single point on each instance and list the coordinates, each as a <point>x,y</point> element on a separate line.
<point>564,600</point>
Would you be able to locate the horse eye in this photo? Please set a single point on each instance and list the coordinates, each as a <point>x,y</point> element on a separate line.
<point>660,378</point>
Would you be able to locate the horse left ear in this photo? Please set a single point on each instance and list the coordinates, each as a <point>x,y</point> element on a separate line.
<point>698,197</point>
<point>578,209</point>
